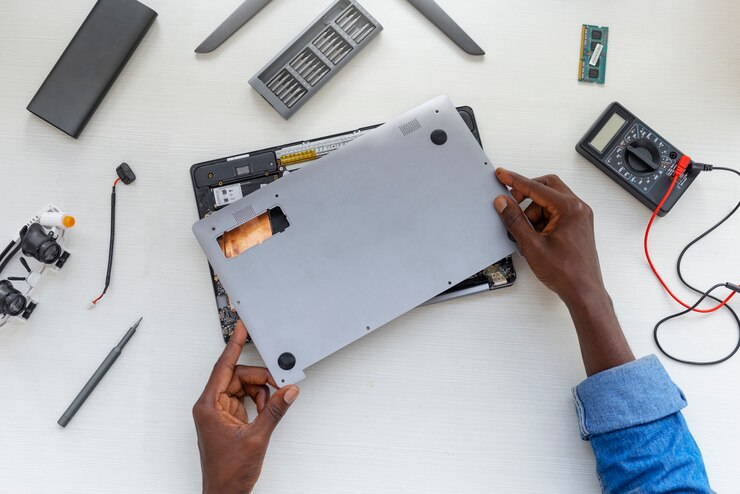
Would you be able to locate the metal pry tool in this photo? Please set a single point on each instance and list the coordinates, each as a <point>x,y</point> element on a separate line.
<point>232,24</point>
<point>447,25</point>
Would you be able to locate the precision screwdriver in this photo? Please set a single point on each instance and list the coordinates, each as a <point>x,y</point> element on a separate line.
<point>97,377</point>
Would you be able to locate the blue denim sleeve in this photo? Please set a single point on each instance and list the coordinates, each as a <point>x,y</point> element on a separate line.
<point>632,416</point>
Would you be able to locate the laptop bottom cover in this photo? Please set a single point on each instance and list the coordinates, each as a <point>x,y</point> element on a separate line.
<point>436,211</point>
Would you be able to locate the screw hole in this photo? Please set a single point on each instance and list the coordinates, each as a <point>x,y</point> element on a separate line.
<point>277,195</point>
<point>449,283</point>
<point>436,111</point>
<point>238,302</point>
<point>282,380</point>
<point>367,328</point>
<point>214,228</point>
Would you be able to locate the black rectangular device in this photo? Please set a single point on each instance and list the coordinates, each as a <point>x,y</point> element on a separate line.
<point>635,156</point>
<point>91,63</point>
<point>221,182</point>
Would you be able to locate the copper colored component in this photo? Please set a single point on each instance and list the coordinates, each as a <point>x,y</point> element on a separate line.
<point>239,240</point>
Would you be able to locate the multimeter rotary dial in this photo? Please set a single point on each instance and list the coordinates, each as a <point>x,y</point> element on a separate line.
<point>641,157</point>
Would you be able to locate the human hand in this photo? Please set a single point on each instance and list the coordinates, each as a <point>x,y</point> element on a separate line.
<point>232,449</point>
<point>555,233</point>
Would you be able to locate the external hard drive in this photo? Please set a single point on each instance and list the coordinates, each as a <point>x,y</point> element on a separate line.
<point>91,63</point>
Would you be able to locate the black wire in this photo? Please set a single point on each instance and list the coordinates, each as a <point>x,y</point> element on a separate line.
<point>112,237</point>
<point>112,242</point>
<point>684,312</point>
<point>705,295</point>
<point>724,169</point>
<point>10,256</point>
<point>7,249</point>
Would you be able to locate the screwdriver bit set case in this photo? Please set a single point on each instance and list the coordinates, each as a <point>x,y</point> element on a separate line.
<point>290,79</point>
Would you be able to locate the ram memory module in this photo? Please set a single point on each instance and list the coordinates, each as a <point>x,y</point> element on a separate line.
<point>594,42</point>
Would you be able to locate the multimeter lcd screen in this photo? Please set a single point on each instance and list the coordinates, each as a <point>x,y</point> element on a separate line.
<point>608,132</point>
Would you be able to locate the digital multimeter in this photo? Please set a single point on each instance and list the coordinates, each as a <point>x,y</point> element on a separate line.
<point>636,157</point>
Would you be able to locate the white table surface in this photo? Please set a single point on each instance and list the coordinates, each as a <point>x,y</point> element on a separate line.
<point>471,396</point>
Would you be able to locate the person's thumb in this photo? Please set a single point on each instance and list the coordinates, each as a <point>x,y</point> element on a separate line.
<point>515,220</point>
<point>276,409</point>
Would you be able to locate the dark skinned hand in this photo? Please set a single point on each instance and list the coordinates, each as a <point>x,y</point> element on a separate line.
<point>232,450</point>
<point>555,234</point>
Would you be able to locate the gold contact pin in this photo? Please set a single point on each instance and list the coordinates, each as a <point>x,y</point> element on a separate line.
<point>295,158</point>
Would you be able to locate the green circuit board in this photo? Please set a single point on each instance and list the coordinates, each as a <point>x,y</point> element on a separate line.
<point>594,44</point>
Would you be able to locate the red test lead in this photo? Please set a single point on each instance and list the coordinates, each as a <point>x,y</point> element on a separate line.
<point>683,164</point>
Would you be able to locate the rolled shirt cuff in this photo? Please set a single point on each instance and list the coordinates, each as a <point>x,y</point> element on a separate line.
<point>632,394</point>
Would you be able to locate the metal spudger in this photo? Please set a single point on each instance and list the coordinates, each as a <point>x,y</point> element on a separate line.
<point>232,24</point>
<point>97,377</point>
<point>444,22</point>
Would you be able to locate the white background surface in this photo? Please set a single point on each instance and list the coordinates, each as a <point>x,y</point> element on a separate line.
<point>471,396</point>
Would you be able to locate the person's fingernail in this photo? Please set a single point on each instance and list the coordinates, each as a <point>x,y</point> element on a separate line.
<point>500,204</point>
<point>291,395</point>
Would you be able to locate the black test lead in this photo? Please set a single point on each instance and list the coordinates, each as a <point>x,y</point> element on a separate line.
<point>731,287</point>
<point>657,174</point>
<point>97,377</point>
<point>127,176</point>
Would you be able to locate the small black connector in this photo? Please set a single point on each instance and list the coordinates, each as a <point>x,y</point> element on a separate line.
<point>125,173</point>
<point>701,167</point>
<point>733,287</point>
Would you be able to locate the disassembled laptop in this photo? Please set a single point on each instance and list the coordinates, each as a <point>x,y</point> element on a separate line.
<point>224,181</point>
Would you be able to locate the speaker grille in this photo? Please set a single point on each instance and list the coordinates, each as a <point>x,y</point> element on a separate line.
<point>244,215</point>
<point>410,127</point>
